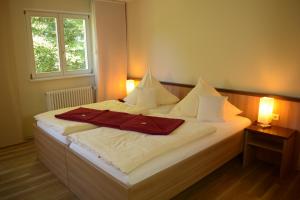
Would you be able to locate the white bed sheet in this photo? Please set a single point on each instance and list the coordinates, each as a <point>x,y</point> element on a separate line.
<point>47,128</point>
<point>50,131</point>
<point>224,130</point>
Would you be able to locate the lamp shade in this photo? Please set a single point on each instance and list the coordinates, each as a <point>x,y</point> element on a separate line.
<point>130,85</point>
<point>265,112</point>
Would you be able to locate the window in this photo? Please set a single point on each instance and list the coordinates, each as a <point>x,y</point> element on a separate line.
<point>59,44</point>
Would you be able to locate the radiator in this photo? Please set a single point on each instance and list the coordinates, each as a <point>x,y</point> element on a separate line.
<point>69,97</point>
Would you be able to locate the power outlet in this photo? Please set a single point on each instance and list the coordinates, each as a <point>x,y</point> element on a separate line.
<point>275,117</point>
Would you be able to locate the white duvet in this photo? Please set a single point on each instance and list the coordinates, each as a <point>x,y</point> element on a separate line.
<point>66,127</point>
<point>127,150</point>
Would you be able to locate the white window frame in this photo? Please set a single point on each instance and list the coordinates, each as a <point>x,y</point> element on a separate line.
<point>61,45</point>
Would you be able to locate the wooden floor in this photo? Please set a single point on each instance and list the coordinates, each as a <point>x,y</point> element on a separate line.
<point>22,176</point>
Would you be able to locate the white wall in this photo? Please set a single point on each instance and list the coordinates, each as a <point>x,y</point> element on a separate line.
<point>31,94</point>
<point>249,45</point>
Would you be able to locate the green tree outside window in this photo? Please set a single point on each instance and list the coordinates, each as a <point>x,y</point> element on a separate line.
<point>46,49</point>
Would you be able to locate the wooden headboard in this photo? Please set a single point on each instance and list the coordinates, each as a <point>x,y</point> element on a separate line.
<point>288,108</point>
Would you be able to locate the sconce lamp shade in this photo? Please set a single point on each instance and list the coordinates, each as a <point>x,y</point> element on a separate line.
<point>130,85</point>
<point>265,112</point>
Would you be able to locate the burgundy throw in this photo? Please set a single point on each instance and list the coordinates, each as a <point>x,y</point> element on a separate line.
<point>111,119</point>
<point>152,125</point>
<point>81,114</point>
<point>139,123</point>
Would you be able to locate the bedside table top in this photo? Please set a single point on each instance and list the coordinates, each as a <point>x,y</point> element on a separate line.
<point>275,131</point>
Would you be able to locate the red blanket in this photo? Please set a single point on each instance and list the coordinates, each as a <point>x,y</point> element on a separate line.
<point>152,125</point>
<point>111,119</point>
<point>81,114</point>
<point>140,123</point>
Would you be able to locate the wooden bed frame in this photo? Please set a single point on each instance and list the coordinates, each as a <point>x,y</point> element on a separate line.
<point>90,182</point>
<point>52,153</point>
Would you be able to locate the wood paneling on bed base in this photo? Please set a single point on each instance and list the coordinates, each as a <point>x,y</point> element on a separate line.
<point>51,153</point>
<point>89,182</point>
<point>287,107</point>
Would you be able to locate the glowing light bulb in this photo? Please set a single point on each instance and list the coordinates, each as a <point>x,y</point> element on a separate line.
<point>130,85</point>
<point>265,112</point>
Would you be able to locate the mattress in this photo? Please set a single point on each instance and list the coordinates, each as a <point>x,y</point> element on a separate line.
<point>223,131</point>
<point>52,130</point>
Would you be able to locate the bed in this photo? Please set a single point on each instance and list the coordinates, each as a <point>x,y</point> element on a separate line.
<point>223,131</point>
<point>90,177</point>
<point>51,133</point>
<point>155,179</point>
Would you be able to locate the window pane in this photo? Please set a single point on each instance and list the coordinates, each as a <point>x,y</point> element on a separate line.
<point>75,44</point>
<point>45,44</point>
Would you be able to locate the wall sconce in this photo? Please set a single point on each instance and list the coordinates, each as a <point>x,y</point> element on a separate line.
<point>130,85</point>
<point>265,112</point>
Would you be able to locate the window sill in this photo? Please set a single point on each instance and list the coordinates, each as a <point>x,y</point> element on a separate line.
<point>60,77</point>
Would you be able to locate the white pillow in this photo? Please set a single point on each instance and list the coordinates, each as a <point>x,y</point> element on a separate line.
<point>163,96</point>
<point>132,97</point>
<point>164,109</point>
<point>188,106</point>
<point>230,110</point>
<point>146,97</point>
<point>211,108</point>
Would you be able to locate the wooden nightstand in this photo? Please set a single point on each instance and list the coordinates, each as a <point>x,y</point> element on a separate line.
<point>274,144</point>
